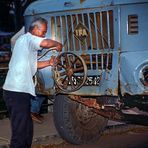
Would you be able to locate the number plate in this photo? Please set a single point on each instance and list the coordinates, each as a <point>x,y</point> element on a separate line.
<point>90,80</point>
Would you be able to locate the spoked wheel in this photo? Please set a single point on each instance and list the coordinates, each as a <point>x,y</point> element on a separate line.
<point>70,72</point>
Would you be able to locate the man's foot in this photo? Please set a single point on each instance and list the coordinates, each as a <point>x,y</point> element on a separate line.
<point>37,117</point>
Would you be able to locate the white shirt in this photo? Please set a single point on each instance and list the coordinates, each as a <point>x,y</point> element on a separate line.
<point>23,64</point>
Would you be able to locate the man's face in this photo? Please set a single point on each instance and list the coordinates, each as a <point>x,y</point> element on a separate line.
<point>40,30</point>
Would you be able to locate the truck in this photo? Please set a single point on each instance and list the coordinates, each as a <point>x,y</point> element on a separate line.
<point>102,72</point>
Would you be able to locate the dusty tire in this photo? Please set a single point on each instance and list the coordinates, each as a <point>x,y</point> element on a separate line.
<point>75,122</point>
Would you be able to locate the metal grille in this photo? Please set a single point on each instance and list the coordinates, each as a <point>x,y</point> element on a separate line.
<point>133,24</point>
<point>97,45</point>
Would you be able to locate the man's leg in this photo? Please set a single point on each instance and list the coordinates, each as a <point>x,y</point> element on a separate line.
<point>36,104</point>
<point>18,105</point>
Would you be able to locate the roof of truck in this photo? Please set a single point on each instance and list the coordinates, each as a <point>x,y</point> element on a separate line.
<point>43,6</point>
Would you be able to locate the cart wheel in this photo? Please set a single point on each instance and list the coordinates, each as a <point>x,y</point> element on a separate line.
<point>69,71</point>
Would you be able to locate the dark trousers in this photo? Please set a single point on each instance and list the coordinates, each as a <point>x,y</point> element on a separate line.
<point>18,105</point>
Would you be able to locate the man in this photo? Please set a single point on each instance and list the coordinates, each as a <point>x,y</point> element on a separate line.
<point>36,102</point>
<point>19,88</point>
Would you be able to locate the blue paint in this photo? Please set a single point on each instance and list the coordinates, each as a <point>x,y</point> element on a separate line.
<point>129,52</point>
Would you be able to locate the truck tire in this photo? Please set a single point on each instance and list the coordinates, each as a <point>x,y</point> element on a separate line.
<point>75,122</point>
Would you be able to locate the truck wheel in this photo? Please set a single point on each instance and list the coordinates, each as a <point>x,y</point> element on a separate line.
<point>75,122</point>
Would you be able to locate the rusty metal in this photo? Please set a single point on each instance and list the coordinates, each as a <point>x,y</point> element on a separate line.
<point>92,103</point>
<point>110,112</point>
<point>105,111</point>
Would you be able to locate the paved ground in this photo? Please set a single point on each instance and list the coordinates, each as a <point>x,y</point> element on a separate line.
<point>41,131</point>
<point>46,132</point>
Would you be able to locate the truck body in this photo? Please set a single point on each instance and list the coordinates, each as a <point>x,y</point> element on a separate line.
<point>103,68</point>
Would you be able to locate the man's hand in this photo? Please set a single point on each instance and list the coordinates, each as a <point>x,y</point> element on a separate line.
<point>52,60</point>
<point>59,47</point>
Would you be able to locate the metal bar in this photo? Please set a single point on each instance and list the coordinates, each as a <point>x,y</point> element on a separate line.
<point>91,44</point>
<point>61,31</point>
<point>119,26</point>
<point>108,30</point>
<point>102,61</point>
<point>56,28</point>
<point>67,35</point>
<point>72,27</point>
<point>86,45</point>
<point>77,20</point>
<point>96,30</point>
<point>96,61</point>
<point>101,26</point>
<point>53,27</point>
<point>101,31</point>
<point>91,63</point>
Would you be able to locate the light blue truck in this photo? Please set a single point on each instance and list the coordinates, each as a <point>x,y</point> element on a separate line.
<point>102,71</point>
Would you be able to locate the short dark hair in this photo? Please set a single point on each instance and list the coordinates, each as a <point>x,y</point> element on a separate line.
<point>37,22</point>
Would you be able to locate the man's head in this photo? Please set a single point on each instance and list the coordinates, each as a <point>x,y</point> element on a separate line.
<point>38,27</point>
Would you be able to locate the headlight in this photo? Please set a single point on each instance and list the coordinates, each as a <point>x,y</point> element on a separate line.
<point>144,76</point>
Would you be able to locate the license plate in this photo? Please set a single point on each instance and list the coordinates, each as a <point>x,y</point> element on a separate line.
<point>90,80</point>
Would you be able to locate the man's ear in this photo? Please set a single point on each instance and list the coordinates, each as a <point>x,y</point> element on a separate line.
<point>35,30</point>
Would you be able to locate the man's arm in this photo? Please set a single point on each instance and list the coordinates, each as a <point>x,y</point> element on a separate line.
<point>48,43</point>
<point>43,64</point>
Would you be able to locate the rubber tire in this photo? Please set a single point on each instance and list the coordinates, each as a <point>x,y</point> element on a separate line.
<point>70,128</point>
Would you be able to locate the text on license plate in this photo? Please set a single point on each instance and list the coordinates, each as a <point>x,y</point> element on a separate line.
<point>90,80</point>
